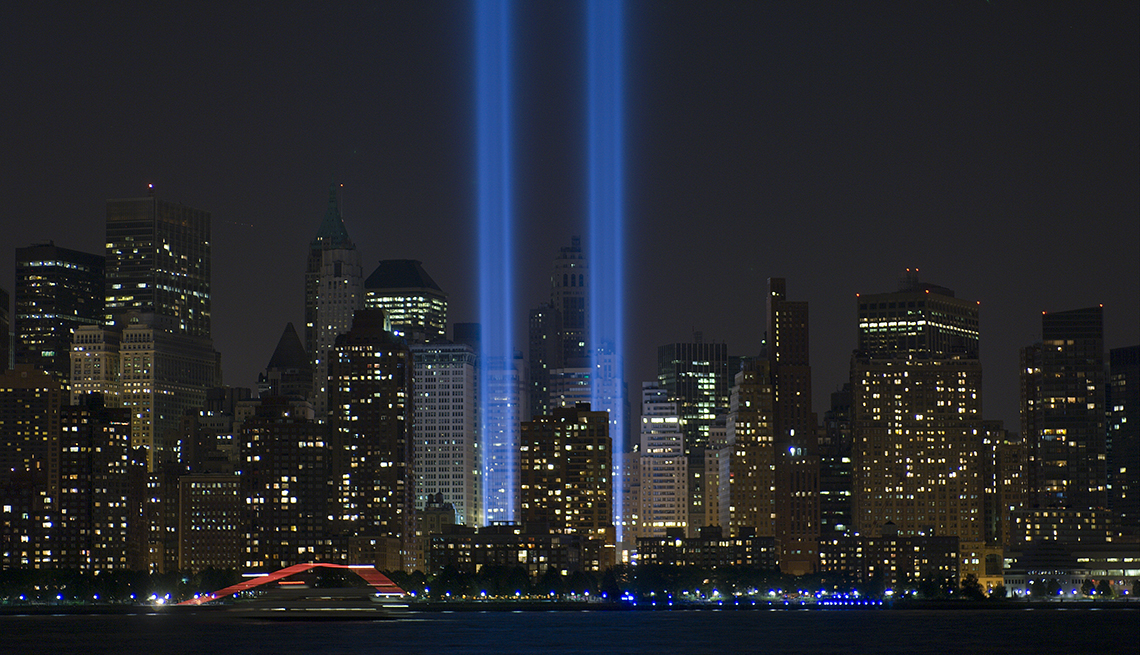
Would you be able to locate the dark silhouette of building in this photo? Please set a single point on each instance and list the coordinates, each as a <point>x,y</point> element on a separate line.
<point>57,290</point>
<point>1063,411</point>
<point>5,330</point>
<point>290,371</point>
<point>370,393</point>
<point>795,432</point>
<point>835,465</point>
<point>1123,446</point>
<point>158,261</point>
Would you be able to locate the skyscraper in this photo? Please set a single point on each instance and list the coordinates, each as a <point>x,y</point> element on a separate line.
<point>664,475</point>
<point>446,429</point>
<point>695,375</point>
<point>158,261</point>
<point>370,395</point>
<point>57,290</point>
<point>415,305</point>
<point>94,494</point>
<point>750,424</point>
<point>568,284</point>
<point>1063,411</point>
<point>916,414</point>
<point>566,484</point>
<point>1124,435</point>
<point>333,291</point>
<point>794,432</point>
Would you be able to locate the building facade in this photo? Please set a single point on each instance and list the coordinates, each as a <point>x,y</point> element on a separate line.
<point>57,291</point>
<point>158,261</point>
<point>447,452</point>
<point>415,305</point>
<point>334,290</point>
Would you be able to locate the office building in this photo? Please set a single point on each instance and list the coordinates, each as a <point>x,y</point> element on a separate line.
<point>30,405</point>
<point>696,376</point>
<point>211,512</point>
<point>415,306</point>
<point>664,468</point>
<point>370,395</point>
<point>334,290</point>
<point>917,453</point>
<point>446,429</point>
<point>94,491</point>
<point>5,331</point>
<point>288,486</point>
<point>795,432</point>
<point>57,291</point>
<point>158,262</point>
<point>161,374</point>
<point>1063,411</point>
<point>750,424</point>
<point>566,483</point>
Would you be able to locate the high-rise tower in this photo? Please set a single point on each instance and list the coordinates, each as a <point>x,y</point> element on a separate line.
<point>695,375</point>
<point>664,477</point>
<point>333,291</point>
<point>794,432</point>
<point>1062,411</point>
<point>370,392</point>
<point>1124,435</point>
<point>568,284</point>
<point>158,261</point>
<point>917,429</point>
<point>57,290</point>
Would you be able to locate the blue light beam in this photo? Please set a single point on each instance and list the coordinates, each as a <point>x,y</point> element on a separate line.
<point>605,55</point>
<point>499,422</point>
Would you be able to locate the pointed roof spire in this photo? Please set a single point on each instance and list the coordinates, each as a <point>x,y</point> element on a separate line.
<point>332,234</point>
<point>290,354</point>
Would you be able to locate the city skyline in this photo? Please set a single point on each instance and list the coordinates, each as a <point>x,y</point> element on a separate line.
<point>833,149</point>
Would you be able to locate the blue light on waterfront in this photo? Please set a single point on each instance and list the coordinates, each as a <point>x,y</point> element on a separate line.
<point>604,24</point>
<point>499,438</point>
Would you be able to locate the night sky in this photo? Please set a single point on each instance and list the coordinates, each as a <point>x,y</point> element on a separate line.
<point>993,145</point>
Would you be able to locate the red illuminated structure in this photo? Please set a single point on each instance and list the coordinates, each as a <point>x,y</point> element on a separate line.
<point>369,574</point>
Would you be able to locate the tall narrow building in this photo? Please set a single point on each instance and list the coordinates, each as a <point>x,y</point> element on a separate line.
<point>752,490</point>
<point>289,372</point>
<point>158,261</point>
<point>446,429</point>
<point>1063,411</point>
<point>1124,435</point>
<point>57,291</point>
<point>695,375</point>
<point>334,281</point>
<point>916,407</point>
<point>568,283</point>
<point>370,392</point>
<point>664,467</point>
<point>795,433</point>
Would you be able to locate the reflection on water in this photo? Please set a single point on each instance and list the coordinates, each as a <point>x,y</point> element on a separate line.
<point>970,631</point>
